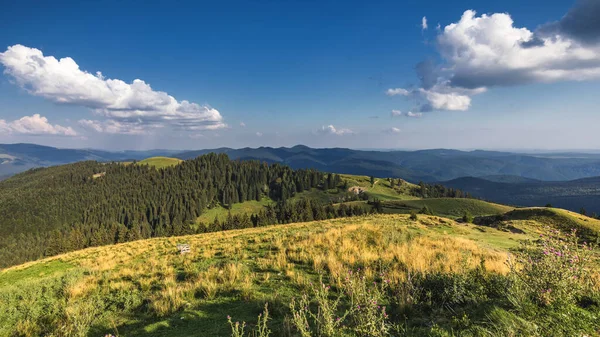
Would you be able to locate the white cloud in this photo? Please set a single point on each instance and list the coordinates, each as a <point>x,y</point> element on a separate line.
<point>490,51</point>
<point>259,134</point>
<point>35,125</point>
<point>61,81</point>
<point>393,130</point>
<point>424,23</point>
<point>331,130</point>
<point>398,113</point>
<point>242,124</point>
<point>397,91</point>
<point>118,127</point>
<point>480,52</point>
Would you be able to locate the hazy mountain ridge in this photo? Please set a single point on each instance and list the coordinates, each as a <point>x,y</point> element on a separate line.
<point>572,195</point>
<point>428,165</point>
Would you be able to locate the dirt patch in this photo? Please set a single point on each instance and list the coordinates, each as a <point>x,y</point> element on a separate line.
<point>357,189</point>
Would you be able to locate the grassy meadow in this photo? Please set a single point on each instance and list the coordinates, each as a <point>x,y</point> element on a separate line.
<point>146,288</point>
<point>450,207</point>
<point>160,162</point>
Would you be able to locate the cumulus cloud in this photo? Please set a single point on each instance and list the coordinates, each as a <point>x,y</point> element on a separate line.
<point>393,130</point>
<point>424,23</point>
<point>35,125</point>
<point>331,130</point>
<point>481,52</point>
<point>259,134</point>
<point>398,113</point>
<point>242,124</point>
<point>489,51</point>
<point>61,81</point>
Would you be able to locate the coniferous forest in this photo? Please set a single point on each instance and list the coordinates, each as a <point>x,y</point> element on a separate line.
<point>65,208</point>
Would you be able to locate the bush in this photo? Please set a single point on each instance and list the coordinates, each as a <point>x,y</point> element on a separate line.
<point>467,217</point>
<point>554,271</point>
<point>357,309</point>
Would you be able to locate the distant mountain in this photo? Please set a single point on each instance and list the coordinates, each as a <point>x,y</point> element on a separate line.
<point>425,165</point>
<point>15,158</point>
<point>571,195</point>
<point>510,179</point>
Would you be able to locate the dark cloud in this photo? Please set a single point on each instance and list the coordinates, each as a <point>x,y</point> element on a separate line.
<point>534,42</point>
<point>582,22</point>
<point>427,73</point>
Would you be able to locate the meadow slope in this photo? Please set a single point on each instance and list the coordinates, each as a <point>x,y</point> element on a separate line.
<point>147,288</point>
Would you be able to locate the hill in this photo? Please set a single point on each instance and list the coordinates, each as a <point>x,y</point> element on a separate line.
<point>589,228</point>
<point>65,208</point>
<point>52,210</point>
<point>572,195</point>
<point>148,288</point>
<point>448,207</point>
<point>16,158</point>
<point>160,162</point>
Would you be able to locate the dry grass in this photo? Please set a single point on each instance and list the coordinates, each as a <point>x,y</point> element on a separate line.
<point>329,246</point>
<point>246,262</point>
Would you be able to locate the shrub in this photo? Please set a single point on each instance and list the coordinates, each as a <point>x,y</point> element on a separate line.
<point>467,217</point>
<point>357,309</point>
<point>261,329</point>
<point>554,271</point>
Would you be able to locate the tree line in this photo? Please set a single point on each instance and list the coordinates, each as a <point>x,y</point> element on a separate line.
<point>424,190</point>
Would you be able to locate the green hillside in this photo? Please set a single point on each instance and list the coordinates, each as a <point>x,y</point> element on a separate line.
<point>346,192</point>
<point>245,208</point>
<point>160,162</point>
<point>450,207</point>
<point>556,217</point>
<point>147,288</point>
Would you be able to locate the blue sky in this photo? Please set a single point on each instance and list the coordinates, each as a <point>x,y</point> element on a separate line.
<point>280,73</point>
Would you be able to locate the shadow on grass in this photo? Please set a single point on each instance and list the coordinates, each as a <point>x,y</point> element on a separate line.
<point>209,319</point>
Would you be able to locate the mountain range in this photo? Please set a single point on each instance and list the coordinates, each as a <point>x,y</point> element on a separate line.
<point>434,165</point>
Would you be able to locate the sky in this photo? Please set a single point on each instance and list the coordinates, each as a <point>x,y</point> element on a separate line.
<point>464,74</point>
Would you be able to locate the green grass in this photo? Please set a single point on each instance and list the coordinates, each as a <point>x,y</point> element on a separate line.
<point>556,217</point>
<point>160,162</point>
<point>147,288</point>
<point>246,207</point>
<point>382,188</point>
<point>35,271</point>
<point>449,207</point>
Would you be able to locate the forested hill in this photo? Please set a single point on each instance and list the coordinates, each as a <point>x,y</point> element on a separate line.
<point>51,210</point>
